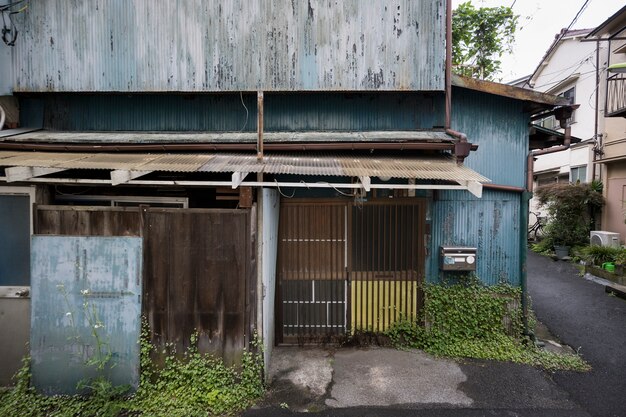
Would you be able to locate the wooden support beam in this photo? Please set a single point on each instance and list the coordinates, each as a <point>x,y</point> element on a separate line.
<point>259,146</point>
<point>121,176</point>
<point>245,197</point>
<point>24,173</point>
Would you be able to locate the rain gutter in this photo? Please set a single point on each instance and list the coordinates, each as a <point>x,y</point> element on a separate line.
<point>462,147</point>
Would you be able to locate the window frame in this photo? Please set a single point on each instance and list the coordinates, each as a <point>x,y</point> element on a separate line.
<point>19,291</point>
<point>577,168</point>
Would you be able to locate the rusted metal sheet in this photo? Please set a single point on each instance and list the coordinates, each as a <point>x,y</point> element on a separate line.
<point>196,268</point>
<point>272,45</point>
<point>491,224</point>
<point>423,168</point>
<point>86,309</point>
<point>228,137</point>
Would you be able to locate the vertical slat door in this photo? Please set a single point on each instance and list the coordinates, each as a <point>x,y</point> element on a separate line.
<point>312,271</point>
<point>387,262</point>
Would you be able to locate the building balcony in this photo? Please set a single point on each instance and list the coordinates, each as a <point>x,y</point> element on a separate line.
<point>616,96</point>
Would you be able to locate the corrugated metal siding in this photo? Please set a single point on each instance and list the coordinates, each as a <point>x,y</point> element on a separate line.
<point>500,128</point>
<point>388,111</point>
<point>225,112</point>
<point>6,69</point>
<point>230,46</point>
<point>221,113</point>
<point>490,224</point>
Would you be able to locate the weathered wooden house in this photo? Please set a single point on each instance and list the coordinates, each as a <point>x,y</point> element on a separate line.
<point>293,168</point>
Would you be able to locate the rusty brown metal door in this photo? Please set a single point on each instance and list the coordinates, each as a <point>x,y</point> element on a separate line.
<point>348,266</point>
<point>312,271</point>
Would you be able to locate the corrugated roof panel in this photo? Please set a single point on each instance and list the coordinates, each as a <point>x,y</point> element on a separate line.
<point>423,168</point>
<point>231,162</point>
<point>109,161</point>
<point>176,162</point>
<point>40,159</point>
<point>420,168</point>
<point>303,165</point>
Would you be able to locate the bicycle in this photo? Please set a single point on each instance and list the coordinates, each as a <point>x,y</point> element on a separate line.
<point>536,230</point>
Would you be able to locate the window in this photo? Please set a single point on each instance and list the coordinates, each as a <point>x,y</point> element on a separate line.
<point>578,174</point>
<point>15,229</point>
<point>124,201</point>
<point>571,95</point>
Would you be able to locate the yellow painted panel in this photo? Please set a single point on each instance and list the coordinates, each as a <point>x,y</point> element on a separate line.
<point>377,304</point>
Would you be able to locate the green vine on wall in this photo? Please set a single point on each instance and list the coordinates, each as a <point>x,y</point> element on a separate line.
<point>475,321</point>
<point>192,385</point>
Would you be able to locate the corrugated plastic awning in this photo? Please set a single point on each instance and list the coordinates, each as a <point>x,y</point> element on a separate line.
<point>127,167</point>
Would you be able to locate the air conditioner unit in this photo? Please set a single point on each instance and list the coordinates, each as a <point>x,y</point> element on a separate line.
<point>603,238</point>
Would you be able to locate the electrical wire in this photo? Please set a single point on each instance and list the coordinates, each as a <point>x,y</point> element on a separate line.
<point>281,192</point>
<point>244,106</point>
<point>9,30</point>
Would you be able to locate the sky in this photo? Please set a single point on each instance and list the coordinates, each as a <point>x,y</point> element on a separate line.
<point>539,22</point>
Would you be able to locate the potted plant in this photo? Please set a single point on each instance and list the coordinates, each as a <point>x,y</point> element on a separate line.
<point>571,209</point>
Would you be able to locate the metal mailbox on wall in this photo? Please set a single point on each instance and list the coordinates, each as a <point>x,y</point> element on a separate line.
<point>454,258</point>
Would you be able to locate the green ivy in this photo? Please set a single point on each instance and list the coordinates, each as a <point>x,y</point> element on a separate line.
<point>470,320</point>
<point>191,385</point>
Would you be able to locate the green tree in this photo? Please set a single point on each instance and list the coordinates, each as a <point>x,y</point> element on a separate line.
<point>479,39</point>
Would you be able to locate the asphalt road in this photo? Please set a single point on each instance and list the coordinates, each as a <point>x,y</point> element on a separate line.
<point>582,315</point>
<point>577,311</point>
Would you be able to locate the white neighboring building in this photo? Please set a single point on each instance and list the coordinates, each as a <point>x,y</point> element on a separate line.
<point>568,69</point>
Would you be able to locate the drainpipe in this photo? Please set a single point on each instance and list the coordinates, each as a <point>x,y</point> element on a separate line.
<point>462,147</point>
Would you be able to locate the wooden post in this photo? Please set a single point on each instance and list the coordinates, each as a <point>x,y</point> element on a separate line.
<point>259,146</point>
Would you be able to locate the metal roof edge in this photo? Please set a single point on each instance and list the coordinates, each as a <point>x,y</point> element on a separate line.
<point>509,91</point>
<point>607,22</point>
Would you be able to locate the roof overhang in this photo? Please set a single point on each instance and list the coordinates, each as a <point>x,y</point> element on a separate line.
<point>534,102</point>
<point>425,172</point>
<point>541,137</point>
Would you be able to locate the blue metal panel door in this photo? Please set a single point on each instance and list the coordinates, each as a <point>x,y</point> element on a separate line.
<point>86,311</point>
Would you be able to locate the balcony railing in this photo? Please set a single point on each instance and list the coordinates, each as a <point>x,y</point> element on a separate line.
<point>616,96</point>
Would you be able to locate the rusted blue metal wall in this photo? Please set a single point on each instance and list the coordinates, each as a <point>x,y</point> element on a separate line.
<point>492,223</point>
<point>86,305</point>
<point>235,45</point>
<point>234,112</point>
<point>500,127</point>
